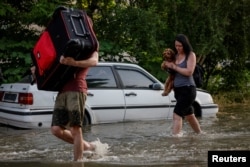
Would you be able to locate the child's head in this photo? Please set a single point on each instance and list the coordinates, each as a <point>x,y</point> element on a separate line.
<point>168,55</point>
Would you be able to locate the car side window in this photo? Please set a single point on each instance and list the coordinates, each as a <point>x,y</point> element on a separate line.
<point>134,79</point>
<point>101,77</point>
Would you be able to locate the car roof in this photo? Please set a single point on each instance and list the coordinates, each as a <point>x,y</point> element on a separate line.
<point>117,63</point>
<point>129,65</point>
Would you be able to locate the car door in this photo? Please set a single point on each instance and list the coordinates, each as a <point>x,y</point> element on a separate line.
<point>105,99</point>
<point>142,101</point>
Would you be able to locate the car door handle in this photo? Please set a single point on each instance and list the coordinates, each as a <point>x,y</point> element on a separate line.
<point>90,94</point>
<point>130,94</point>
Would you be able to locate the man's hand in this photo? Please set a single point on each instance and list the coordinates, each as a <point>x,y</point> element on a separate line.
<point>67,61</point>
<point>33,70</point>
<point>90,62</point>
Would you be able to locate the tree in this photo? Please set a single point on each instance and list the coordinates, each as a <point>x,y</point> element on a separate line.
<point>218,31</point>
<point>135,29</point>
<point>237,43</point>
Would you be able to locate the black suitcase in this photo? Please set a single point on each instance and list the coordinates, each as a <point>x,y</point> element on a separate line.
<point>69,33</point>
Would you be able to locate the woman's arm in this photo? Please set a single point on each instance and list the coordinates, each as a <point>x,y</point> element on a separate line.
<point>92,61</point>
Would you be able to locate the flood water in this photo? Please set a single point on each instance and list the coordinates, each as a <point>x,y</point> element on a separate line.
<point>131,144</point>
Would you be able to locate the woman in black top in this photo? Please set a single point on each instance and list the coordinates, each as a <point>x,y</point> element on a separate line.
<point>184,85</point>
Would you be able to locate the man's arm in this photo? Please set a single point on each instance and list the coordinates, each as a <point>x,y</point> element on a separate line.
<point>92,61</point>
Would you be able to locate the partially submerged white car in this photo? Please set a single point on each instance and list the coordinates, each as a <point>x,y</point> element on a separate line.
<point>118,92</point>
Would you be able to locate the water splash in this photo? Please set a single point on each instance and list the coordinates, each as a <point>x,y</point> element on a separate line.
<point>101,150</point>
<point>180,134</point>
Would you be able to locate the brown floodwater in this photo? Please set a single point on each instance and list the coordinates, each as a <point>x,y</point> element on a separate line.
<point>131,144</point>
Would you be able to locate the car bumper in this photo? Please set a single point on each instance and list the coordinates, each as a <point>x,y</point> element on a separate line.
<point>26,118</point>
<point>209,110</point>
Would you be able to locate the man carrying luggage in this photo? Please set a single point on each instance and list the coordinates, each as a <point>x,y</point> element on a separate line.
<point>70,104</point>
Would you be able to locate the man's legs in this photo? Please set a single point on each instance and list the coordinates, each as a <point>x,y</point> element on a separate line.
<point>73,136</point>
<point>76,132</point>
<point>66,135</point>
<point>69,109</point>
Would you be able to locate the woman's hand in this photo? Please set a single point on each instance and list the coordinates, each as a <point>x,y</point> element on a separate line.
<point>163,66</point>
<point>167,64</point>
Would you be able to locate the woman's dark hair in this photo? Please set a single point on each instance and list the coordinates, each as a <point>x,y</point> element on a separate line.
<point>183,39</point>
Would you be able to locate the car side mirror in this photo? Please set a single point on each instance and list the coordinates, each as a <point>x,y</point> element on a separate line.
<point>155,86</point>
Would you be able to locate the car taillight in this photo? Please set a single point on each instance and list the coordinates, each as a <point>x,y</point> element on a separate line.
<point>1,95</point>
<point>25,98</point>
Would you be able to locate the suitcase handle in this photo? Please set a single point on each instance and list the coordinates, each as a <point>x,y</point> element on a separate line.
<point>83,33</point>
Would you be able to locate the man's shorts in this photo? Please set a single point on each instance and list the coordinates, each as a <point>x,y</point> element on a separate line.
<point>185,97</point>
<point>69,109</point>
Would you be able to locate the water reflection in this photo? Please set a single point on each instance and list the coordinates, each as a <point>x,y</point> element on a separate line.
<point>140,144</point>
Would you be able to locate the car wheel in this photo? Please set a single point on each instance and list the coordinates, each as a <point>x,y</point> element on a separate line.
<point>86,119</point>
<point>197,110</point>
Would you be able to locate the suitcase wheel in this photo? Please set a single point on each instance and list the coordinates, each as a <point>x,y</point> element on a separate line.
<point>72,48</point>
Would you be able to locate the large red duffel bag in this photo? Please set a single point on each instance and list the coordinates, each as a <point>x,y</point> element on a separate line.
<point>68,33</point>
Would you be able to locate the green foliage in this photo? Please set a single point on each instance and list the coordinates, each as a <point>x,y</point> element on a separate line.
<point>137,32</point>
<point>218,32</point>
